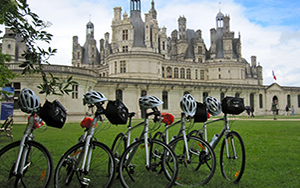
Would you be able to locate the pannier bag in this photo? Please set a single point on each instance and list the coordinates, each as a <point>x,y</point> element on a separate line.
<point>201,113</point>
<point>54,114</point>
<point>116,112</point>
<point>233,105</point>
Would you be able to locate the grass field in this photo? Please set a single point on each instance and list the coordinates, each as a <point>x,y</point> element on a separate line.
<point>272,148</point>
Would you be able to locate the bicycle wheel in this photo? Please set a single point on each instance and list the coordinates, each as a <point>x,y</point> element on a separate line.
<point>201,165</point>
<point>37,170</point>
<point>68,173</point>
<point>135,173</point>
<point>118,146</point>
<point>233,161</point>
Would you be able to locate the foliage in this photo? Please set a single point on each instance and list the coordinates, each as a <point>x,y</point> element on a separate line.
<point>5,73</point>
<point>17,15</point>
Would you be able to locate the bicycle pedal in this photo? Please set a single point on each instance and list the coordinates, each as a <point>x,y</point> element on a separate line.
<point>85,181</point>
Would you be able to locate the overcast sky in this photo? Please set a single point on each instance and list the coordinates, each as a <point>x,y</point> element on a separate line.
<point>270,29</point>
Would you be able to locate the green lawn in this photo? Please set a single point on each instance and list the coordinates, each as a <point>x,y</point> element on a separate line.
<point>272,148</point>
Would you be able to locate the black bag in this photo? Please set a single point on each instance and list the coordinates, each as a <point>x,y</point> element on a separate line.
<point>233,105</point>
<point>116,112</point>
<point>201,113</point>
<point>54,114</point>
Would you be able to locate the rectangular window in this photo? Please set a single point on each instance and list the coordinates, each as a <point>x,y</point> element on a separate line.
<point>201,74</point>
<point>188,73</point>
<point>176,73</point>
<point>122,66</point>
<point>74,91</point>
<point>125,34</point>
<point>116,67</point>
<point>196,74</point>
<point>125,48</point>
<point>163,45</point>
<point>199,49</point>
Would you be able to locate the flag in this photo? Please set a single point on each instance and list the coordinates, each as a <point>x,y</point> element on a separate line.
<point>273,75</point>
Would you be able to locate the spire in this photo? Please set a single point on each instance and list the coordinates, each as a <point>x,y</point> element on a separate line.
<point>153,11</point>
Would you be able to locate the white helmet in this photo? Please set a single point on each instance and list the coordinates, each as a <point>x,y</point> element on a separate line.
<point>188,105</point>
<point>28,101</point>
<point>213,105</point>
<point>93,97</point>
<point>149,101</point>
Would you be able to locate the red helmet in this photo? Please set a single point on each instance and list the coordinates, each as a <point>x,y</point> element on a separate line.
<point>167,118</point>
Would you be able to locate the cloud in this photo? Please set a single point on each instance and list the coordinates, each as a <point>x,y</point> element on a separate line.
<point>269,29</point>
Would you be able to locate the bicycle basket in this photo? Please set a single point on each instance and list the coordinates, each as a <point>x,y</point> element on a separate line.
<point>54,114</point>
<point>201,113</point>
<point>233,105</point>
<point>116,112</point>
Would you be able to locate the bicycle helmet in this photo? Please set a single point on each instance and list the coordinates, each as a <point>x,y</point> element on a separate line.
<point>149,101</point>
<point>188,105</point>
<point>28,101</point>
<point>213,106</point>
<point>93,97</point>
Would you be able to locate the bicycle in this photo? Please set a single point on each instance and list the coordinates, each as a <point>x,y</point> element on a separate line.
<point>89,158</point>
<point>196,159</point>
<point>33,165</point>
<point>233,154</point>
<point>143,161</point>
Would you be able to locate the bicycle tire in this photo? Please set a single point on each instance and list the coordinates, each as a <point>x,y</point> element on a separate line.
<point>38,166</point>
<point>195,133</point>
<point>159,136</point>
<point>118,146</point>
<point>68,173</point>
<point>137,174</point>
<point>202,164</point>
<point>233,168</point>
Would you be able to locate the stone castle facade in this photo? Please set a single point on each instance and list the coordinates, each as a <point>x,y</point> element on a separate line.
<point>138,58</point>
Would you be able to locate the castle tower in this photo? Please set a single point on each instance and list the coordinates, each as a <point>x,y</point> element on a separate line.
<point>182,28</point>
<point>220,20</point>
<point>137,23</point>
<point>87,56</point>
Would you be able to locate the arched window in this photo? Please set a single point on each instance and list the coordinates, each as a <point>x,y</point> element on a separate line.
<point>237,95</point>
<point>252,100</point>
<point>119,94</point>
<point>143,93</point>
<point>222,95</point>
<point>176,72</point>
<point>182,75</point>
<point>165,99</point>
<point>288,98</point>
<point>169,72</point>
<point>261,101</point>
<point>204,95</point>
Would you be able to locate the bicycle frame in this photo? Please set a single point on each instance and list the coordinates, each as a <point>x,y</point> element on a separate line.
<point>143,135</point>
<point>22,154</point>
<point>224,131</point>
<point>87,138</point>
<point>182,131</point>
